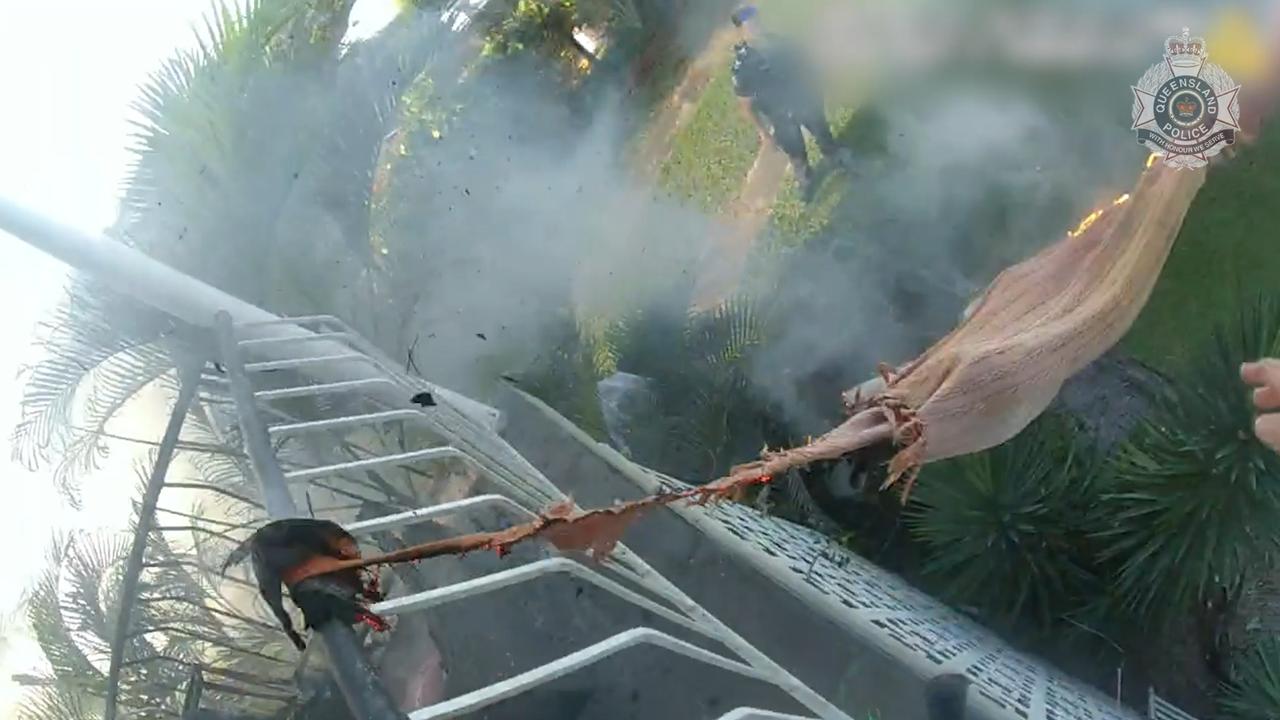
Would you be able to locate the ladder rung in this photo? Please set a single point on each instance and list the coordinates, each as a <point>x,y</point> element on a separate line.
<point>749,713</point>
<point>341,422</point>
<point>409,517</point>
<point>300,320</point>
<point>366,463</point>
<point>436,597</point>
<point>504,689</point>
<point>259,342</point>
<point>305,390</point>
<point>300,362</point>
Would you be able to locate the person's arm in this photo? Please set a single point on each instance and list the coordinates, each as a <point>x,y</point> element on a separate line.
<point>1264,376</point>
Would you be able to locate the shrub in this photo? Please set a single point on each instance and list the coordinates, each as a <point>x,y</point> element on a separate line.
<point>1003,527</point>
<point>1193,498</point>
<point>1255,691</point>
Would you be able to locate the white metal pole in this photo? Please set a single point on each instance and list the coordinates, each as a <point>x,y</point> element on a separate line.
<point>132,272</point>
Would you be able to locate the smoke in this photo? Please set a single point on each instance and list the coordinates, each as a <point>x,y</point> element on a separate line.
<point>1003,123</point>
<point>1002,127</point>
<point>525,207</point>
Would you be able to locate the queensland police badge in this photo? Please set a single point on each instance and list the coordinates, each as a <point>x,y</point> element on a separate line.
<point>1186,109</point>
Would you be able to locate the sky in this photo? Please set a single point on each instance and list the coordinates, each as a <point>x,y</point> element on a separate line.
<point>69,71</point>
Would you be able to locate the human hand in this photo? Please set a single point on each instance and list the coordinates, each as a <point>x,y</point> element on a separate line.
<point>1264,376</point>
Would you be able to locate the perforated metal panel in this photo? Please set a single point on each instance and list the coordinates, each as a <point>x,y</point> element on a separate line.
<point>882,607</point>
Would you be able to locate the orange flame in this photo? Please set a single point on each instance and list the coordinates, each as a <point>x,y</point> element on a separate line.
<point>1085,223</point>
<point>1151,159</point>
<point>1092,217</point>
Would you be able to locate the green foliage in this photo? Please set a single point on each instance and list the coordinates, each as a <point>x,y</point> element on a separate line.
<point>1221,253</point>
<point>794,222</point>
<point>1194,501</point>
<point>699,364</point>
<point>533,25</point>
<point>1254,693</point>
<point>59,701</point>
<point>181,618</point>
<point>546,26</point>
<point>566,377</point>
<point>707,417</point>
<point>1003,527</point>
<point>260,142</point>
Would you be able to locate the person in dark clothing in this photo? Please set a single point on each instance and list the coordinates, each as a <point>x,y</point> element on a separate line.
<point>775,89</point>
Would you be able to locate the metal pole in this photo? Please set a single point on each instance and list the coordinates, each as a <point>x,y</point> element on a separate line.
<point>466,424</point>
<point>133,273</point>
<point>356,679</point>
<point>189,378</point>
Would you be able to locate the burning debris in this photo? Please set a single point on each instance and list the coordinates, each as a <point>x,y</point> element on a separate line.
<point>327,578</point>
<point>1038,323</point>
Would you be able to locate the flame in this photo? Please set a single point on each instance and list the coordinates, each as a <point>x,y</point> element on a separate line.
<point>1085,223</point>
<point>1151,159</point>
<point>1092,217</point>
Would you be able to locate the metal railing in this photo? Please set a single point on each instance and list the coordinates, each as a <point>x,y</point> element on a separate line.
<point>1160,709</point>
<point>628,578</point>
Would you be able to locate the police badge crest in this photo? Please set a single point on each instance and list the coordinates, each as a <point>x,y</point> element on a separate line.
<point>1186,109</point>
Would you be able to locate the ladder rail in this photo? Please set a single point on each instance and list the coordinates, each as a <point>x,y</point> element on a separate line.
<point>480,445</point>
<point>360,687</point>
<point>547,567</point>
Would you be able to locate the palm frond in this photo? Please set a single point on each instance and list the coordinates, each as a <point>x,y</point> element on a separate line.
<point>91,576</point>
<point>67,659</point>
<point>726,335</point>
<point>1194,497</point>
<point>1004,529</point>
<point>1254,693</point>
<point>59,701</point>
<point>111,386</point>
<point>97,338</point>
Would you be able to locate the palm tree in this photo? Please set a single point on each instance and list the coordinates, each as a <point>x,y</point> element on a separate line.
<point>183,619</point>
<point>100,349</point>
<point>259,143</point>
<point>268,119</point>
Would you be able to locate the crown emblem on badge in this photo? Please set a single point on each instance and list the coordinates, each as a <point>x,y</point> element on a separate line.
<point>1185,108</point>
<point>1185,52</point>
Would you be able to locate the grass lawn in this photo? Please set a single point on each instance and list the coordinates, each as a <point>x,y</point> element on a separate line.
<point>711,156</point>
<point>795,222</point>
<point>1228,251</point>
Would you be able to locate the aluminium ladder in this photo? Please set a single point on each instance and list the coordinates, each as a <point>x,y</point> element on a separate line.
<point>525,491</point>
